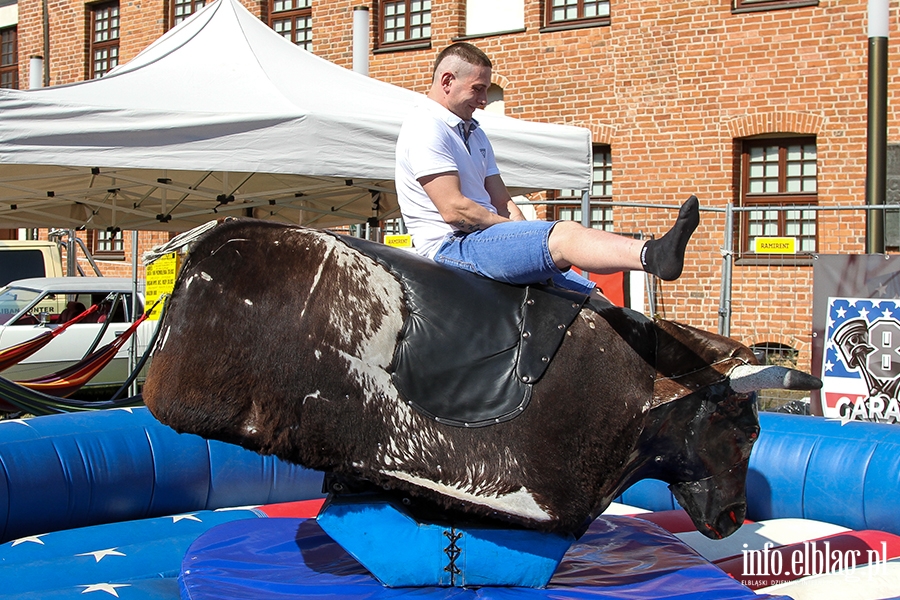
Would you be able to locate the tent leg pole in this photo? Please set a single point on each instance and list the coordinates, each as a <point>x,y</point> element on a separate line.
<point>132,354</point>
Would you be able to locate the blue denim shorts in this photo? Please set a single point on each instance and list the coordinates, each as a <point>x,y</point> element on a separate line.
<point>513,252</point>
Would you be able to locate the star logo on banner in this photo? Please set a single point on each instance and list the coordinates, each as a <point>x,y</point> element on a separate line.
<point>188,517</point>
<point>109,588</point>
<point>101,554</point>
<point>34,539</point>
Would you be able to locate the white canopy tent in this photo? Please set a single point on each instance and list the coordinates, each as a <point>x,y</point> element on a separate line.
<point>222,116</point>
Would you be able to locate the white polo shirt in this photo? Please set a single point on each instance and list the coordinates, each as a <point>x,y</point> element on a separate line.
<point>430,143</point>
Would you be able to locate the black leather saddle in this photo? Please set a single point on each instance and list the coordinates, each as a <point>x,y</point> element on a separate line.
<point>471,348</point>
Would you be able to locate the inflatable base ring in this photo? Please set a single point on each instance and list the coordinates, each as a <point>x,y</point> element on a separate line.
<point>618,557</point>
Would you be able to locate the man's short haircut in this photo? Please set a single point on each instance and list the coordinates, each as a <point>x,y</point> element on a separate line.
<point>465,52</point>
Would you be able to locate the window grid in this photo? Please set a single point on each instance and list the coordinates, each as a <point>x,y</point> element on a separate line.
<point>601,216</point>
<point>751,5</point>
<point>292,19</point>
<point>800,168</point>
<point>601,189</point>
<point>405,21</point>
<point>569,11</point>
<point>779,173</point>
<point>392,227</point>
<point>182,9</point>
<point>104,38</point>
<point>107,243</point>
<point>9,58</point>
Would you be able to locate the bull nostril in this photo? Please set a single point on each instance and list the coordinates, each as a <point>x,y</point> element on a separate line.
<point>713,530</point>
<point>733,518</point>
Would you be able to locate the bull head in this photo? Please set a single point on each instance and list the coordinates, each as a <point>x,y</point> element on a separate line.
<point>701,443</point>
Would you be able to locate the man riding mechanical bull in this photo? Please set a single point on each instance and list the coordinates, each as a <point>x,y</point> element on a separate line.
<point>505,389</point>
<point>460,214</point>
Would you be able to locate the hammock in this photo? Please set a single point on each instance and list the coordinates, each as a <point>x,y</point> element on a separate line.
<point>69,380</point>
<point>19,352</point>
<point>15,397</point>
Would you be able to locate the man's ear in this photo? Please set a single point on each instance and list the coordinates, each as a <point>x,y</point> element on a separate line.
<point>446,78</point>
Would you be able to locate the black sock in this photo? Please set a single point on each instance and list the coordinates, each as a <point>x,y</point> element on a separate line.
<point>665,257</point>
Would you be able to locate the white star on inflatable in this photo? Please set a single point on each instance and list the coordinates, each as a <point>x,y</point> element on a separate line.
<point>828,365</point>
<point>109,588</point>
<point>101,554</point>
<point>190,517</point>
<point>34,539</point>
<point>864,313</point>
<point>887,313</point>
<point>841,312</point>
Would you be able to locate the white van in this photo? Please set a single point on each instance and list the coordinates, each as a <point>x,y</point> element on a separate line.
<point>24,259</point>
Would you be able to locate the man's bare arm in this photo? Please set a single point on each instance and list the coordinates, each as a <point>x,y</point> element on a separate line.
<point>501,199</point>
<point>455,208</point>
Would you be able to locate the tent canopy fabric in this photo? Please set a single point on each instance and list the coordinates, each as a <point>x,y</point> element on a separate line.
<point>222,116</point>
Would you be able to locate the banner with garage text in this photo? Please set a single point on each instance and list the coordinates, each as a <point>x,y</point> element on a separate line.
<point>856,337</point>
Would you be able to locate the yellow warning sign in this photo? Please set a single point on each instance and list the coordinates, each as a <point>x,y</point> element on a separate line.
<point>161,274</point>
<point>776,245</point>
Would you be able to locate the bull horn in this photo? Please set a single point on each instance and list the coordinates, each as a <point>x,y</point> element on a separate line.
<point>751,378</point>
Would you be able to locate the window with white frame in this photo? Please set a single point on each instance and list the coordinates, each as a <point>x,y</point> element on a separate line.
<point>292,19</point>
<point>104,46</point>
<point>778,179</point>
<point>585,13</point>
<point>403,22</point>
<point>758,5</point>
<point>9,58</point>
<point>182,9</point>
<point>601,189</point>
<point>107,243</point>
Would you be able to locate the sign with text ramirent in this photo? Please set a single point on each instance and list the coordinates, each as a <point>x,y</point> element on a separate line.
<point>398,241</point>
<point>775,245</point>
<point>161,274</point>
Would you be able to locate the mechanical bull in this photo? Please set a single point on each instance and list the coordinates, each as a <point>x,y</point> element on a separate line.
<point>531,406</point>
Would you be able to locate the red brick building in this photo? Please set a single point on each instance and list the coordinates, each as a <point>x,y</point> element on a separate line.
<point>757,103</point>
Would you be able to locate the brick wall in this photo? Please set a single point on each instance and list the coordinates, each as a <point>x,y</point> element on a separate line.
<point>669,85</point>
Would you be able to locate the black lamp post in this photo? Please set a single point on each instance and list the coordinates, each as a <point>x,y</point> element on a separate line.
<point>876,154</point>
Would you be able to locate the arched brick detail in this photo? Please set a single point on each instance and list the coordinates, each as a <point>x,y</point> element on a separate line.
<point>778,338</point>
<point>601,133</point>
<point>499,80</point>
<point>802,346</point>
<point>776,122</point>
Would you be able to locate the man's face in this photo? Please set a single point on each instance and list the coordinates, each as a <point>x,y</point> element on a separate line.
<point>468,90</point>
